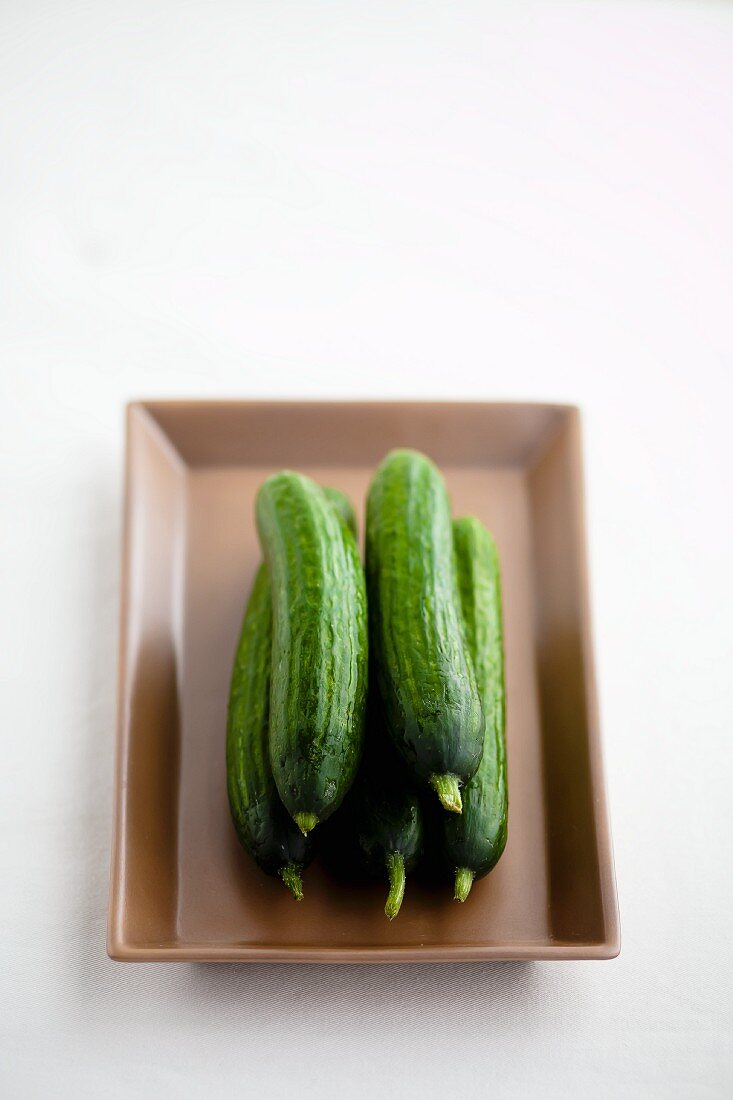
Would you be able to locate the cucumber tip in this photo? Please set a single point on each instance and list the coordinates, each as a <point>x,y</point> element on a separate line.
<point>448,791</point>
<point>305,822</point>
<point>290,874</point>
<point>463,883</point>
<point>396,875</point>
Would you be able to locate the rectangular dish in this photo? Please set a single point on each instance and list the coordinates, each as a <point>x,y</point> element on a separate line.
<point>181,888</point>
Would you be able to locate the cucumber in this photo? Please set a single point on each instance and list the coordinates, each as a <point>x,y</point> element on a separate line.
<point>319,646</point>
<point>389,834</point>
<point>343,506</point>
<point>263,825</point>
<point>473,843</point>
<point>386,817</point>
<point>378,832</point>
<point>426,678</point>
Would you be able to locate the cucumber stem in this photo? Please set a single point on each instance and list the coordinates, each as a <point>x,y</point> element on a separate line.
<point>464,882</point>
<point>290,874</point>
<point>305,822</point>
<point>396,872</point>
<point>448,791</point>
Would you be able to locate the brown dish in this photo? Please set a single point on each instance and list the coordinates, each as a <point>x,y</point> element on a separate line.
<point>181,887</point>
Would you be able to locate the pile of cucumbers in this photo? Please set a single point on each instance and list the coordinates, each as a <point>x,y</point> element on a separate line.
<point>367,706</point>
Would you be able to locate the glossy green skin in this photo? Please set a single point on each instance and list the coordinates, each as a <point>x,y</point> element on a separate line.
<point>263,825</point>
<point>426,679</point>
<point>343,506</point>
<point>319,644</point>
<point>477,838</point>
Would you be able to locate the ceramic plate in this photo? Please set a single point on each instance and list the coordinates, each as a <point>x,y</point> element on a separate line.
<point>181,887</point>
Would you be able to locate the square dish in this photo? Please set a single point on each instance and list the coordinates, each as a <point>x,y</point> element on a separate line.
<point>181,887</point>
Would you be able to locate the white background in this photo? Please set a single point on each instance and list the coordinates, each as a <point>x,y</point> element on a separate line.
<point>528,200</point>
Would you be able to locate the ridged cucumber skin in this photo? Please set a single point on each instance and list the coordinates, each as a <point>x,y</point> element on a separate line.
<point>319,645</point>
<point>475,840</point>
<point>426,679</point>
<point>343,506</point>
<point>263,825</point>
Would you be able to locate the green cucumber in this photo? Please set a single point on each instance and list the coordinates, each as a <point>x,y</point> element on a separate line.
<point>343,506</point>
<point>263,825</point>
<point>386,818</point>
<point>473,843</point>
<point>426,678</point>
<point>319,646</point>
<point>389,834</point>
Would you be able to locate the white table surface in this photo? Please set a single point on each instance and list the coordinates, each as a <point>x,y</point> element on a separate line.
<point>489,200</point>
